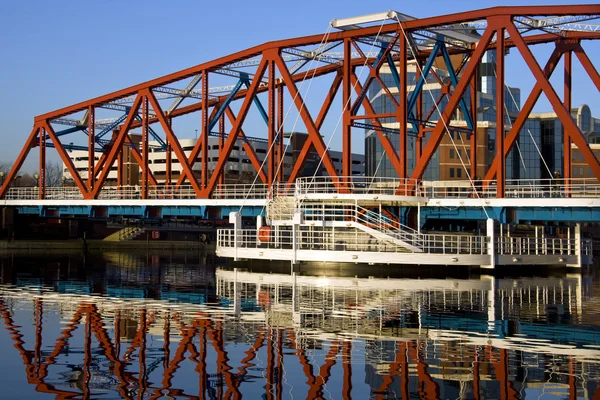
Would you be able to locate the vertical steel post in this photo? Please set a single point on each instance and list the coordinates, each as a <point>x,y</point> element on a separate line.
<point>145,147</point>
<point>401,111</point>
<point>169,160</point>
<point>221,142</point>
<point>567,99</point>
<point>501,173</point>
<point>347,110</point>
<point>271,151</point>
<point>474,82</point>
<point>120,164</point>
<point>42,169</point>
<point>280,118</point>
<point>91,146</point>
<point>419,114</point>
<point>205,127</point>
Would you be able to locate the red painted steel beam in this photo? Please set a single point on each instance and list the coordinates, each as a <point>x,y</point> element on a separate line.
<point>116,147</point>
<point>187,169</point>
<point>440,128</point>
<point>561,111</point>
<point>145,165</point>
<point>221,143</point>
<point>248,149</point>
<point>588,66</point>
<point>473,141</point>
<point>500,105</point>
<point>12,174</point>
<point>280,147</point>
<point>347,110</point>
<point>299,163</point>
<point>526,109</point>
<point>91,147</point>
<point>169,159</point>
<point>271,131</point>
<point>309,123</point>
<point>567,100</point>
<point>193,157</point>
<point>235,130</point>
<point>401,109</point>
<point>205,132</point>
<point>64,156</point>
<point>385,141</point>
<point>42,168</point>
<point>138,158</point>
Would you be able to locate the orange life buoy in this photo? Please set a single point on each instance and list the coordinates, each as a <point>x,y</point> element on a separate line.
<point>264,234</point>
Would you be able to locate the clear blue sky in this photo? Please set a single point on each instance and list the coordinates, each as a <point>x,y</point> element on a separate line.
<point>56,53</point>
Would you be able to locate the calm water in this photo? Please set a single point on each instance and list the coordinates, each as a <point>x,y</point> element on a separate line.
<point>190,326</point>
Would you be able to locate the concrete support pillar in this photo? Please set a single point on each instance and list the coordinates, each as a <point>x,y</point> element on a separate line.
<point>578,246</point>
<point>297,221</point>
<point>491,238</point>
<point>235,218</point>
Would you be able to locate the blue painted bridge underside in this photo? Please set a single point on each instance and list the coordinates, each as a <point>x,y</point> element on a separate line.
<point>519,214</point>
<point>501,214</point>
<point>136,211</point>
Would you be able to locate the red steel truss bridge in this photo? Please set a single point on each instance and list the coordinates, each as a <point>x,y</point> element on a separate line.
<point>266,80</point>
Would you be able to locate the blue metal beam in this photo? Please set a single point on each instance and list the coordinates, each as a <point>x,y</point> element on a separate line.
<point>258,104</point>
<point>112,126</point>
<point>225,104</point>
<point>70,130</point>
<point>454,78</point>
<point>71,147</point>
<point>163,145</point>
<point>412,101</point>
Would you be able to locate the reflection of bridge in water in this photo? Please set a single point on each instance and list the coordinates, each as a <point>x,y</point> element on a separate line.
<point>252,332</point>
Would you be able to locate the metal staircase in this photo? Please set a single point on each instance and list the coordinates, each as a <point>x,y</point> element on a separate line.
<point>348,215</point>
<point>124,234</point>
<point>281,208</point>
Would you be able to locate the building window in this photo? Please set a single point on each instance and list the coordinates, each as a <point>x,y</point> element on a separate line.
<point>451,153</point>
<point>451,172</point>
<point>458,173</point>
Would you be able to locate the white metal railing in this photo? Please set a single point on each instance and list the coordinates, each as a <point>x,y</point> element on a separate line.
<point>364,185</point>
<point>541,246</point>
<point>128,192</point>
<point>241,191</point>
<point>514,188</point>
<point>339,239</point>
<point>524,188</point>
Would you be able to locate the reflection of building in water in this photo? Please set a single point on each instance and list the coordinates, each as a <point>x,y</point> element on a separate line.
<point>500,307</point>
<point>436,338</point>
<point>453,322</point>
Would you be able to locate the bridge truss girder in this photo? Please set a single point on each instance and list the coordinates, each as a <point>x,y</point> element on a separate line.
<point>272,74</point>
